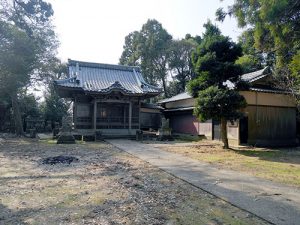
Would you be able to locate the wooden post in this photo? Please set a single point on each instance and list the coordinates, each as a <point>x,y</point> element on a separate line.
<point>139,114</point>
<point>95,116</point>
<point>124,116</point>
<point>75,113</point>
<point>130,116</point>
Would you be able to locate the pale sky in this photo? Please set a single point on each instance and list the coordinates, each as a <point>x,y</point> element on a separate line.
<point>94,30</point>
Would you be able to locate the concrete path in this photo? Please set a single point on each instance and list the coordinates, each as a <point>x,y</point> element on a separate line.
<point>276,203</point>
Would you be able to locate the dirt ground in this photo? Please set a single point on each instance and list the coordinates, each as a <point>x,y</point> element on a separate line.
<point>106,186</point>
<point>280,165</point>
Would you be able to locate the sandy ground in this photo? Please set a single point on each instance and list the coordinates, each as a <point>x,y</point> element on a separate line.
<point>106,186</point>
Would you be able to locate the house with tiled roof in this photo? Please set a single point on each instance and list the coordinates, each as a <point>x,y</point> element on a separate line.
<point>269,118</point>
<point>108,98</point>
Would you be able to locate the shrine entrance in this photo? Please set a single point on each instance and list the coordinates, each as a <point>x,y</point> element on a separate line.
<point>116,115</point>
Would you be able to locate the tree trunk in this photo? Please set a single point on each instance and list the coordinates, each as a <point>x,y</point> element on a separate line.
<point>17,115</point>
<point>165,87</point>
<point>224,133</point>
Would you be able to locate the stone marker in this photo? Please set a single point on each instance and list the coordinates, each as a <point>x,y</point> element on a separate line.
<point>56,129</point>
<point>48,127</point>
<point>139,135</point>
<point>65,136</point>
<point>164,133</point>
<point>32,133</point>
<point>98,136</point>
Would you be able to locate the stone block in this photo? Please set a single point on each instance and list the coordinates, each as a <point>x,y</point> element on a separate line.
<point>66,139</point>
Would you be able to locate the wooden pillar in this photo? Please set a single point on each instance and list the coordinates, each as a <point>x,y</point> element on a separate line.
<point>124,116</point>
<point>75,113</point>
<point>130,116</point>
<point>95,115</point>
<point>139,114</point>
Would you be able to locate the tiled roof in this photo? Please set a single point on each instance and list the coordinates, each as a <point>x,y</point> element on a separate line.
<point>271,90</point>
<point>150,106</point>
<point>178,97</point>
<point>251,77</point>
<point>104,78</point>
<point>180,109</point>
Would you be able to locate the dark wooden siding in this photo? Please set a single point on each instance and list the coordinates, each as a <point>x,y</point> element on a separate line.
<point>216,130</point>
<point>271,125</point>
<point>2,115</point>
<point>150,120</point>
<point>83,115</point>
<point>184,123</point>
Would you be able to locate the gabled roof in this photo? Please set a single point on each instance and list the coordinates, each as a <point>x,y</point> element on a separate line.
<point>256,75</point>
<point>150,106</point>
<point>105,78</point>
<point>248,77</point>
<point>179,109</point>
<point>181,96</point>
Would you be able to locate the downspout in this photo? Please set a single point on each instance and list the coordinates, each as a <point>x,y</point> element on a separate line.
<point>256,110</point>
<point>75,112</point>
<point>77,70</point>
<point>256,115</point>
<point>139,114</point>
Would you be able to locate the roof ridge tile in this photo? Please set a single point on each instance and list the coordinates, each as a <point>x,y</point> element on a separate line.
<point>101,65</point>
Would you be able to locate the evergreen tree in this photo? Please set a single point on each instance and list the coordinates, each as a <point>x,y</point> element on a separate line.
<point>214,65</point>
<point>27,43</point>
<point>54,108</point>
<point>275,27</point>
<point>252,59</point>
<point>148,48</point>
<point>180,64</point>
<point>17,59</point>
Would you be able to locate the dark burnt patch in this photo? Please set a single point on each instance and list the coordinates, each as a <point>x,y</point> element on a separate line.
<point>61,159</point>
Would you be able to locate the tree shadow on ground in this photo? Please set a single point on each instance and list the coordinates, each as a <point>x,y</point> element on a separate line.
<point>8,216</point>
<point>282,155</point>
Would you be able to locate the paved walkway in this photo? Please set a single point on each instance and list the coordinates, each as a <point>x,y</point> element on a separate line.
<point>276,203</point>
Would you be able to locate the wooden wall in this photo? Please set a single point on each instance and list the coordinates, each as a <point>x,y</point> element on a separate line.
<point>271,120</point>
<point>150,120</point>
<point>271,125</point>
<point>185,123</point>
<point>233,132</point>
<point>83,115</point>
<point>205,128</point>
<point>268,99</point>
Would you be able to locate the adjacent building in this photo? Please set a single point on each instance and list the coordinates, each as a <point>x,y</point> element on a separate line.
<point>269,118</point>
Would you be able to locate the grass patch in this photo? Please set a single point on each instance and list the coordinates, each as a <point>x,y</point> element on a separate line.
<point>189,138</point>
<point>280,165</point>
<point>54,141</point>
<point>208,212</point>
<point>48,141</point>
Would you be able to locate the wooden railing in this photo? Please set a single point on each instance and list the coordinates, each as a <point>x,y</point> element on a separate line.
<point>117,123</point>
<point>84,123</point>
<point>107,123</point>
